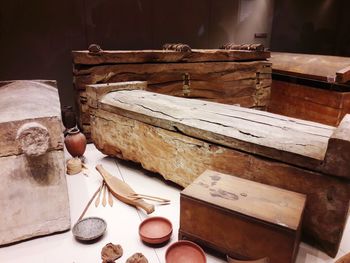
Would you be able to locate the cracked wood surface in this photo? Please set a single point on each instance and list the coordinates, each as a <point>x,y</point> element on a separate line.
<point>246,83</point>
<point>181,158</point>
<point>282,138</point>
<point>159,56</point>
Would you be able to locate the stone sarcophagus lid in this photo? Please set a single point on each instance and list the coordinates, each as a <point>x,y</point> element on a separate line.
<point>181,138</point>
<point>227,76</point>
<point>33,190</point>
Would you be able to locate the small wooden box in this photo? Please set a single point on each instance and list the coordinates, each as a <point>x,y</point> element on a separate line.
<point>242,218</point>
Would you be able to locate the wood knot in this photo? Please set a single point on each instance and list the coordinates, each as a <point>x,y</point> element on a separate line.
<point>33,139</point>
<point>177,47</point>
<point>95,49</point>
<point>252,47</point>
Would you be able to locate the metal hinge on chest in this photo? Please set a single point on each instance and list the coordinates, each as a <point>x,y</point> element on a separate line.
<point>186,84</point>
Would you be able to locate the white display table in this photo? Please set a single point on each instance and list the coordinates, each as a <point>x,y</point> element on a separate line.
<point>122,221</point>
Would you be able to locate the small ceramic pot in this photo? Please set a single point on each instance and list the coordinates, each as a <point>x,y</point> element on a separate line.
<point>75,142</point>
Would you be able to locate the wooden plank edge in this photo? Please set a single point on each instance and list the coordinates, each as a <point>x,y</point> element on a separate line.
<point>343,75</point>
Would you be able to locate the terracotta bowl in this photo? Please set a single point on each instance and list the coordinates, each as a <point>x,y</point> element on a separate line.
<point>155,230</point>
<point>185,252</point>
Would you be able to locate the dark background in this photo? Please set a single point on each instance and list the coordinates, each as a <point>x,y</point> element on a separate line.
<point>37,36</point>
<point>312,26</point>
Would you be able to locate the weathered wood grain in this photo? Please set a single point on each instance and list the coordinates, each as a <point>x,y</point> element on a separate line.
<point>246,83</point>
<point>263,202</point>
<point>343,75</point>
<point>181,159</point>
<point>316,67</point>
<point>289,140</point>
<point>161,56</point>
<point>242,213</point>
<point>305,102</point>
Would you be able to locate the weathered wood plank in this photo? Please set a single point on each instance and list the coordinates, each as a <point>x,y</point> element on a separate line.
<point>161,56</point>
<point>300,101</point>
<point>273,205</point>
<point>316,67</point>
<point>233,128</point>
<point>289,140</point>
<point>343,75</point>
<point>181,159</point>
<point>153,73</point>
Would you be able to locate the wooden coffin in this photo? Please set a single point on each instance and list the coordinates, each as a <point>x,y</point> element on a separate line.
<point>181,138</point>
<point>310,87</point>
<point>241,218</point>
<point>227,76</point>
<point>34,197</point>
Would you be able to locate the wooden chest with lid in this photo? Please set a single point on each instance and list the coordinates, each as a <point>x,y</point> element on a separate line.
<point>242,218</point>
<point>33,190</point>
<point>228,76</point>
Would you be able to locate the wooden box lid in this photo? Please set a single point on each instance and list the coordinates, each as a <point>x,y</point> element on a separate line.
<point>314,67</point>
<point>165,56</point>
<point>259,201</point>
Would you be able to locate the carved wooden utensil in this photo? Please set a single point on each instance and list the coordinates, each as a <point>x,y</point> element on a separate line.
<point>344,259</point>
<point>123,191</point>
<point>262,260</point>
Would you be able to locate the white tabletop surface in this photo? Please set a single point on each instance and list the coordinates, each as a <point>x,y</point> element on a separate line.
<point>122,220</point>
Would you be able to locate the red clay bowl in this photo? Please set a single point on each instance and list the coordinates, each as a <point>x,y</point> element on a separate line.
<point>155,230</point>
<point>185,252</point>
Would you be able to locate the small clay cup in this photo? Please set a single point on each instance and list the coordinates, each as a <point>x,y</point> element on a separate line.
<point>75,142</point>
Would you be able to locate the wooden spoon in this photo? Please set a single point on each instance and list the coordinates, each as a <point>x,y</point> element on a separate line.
<point>97,202</point>
<point>110,198</point>
<point>123,191</point>
<point>104,200</point>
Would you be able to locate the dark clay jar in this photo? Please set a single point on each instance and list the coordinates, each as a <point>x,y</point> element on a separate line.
<point>68,117</point>
<point>75,142</point>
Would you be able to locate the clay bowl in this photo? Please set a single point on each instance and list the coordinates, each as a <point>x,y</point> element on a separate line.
<point>155,230</point>
<point>185,252</point>
<point>89,228</point>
